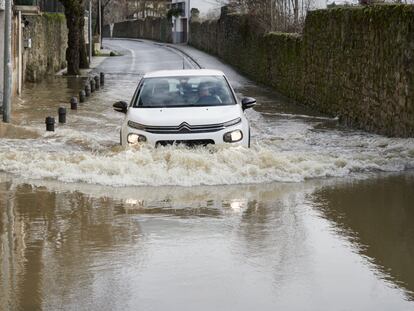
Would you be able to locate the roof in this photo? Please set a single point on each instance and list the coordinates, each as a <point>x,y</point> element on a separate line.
<point>186,72</point>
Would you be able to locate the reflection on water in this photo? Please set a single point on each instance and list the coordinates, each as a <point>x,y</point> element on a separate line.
<point>285,246</point>
<point>379,216</point>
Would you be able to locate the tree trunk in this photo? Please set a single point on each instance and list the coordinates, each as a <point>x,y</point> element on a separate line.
<point>102,18</point>
<point>72,52</point>
<point>83,53</point>
<point>76,55</point>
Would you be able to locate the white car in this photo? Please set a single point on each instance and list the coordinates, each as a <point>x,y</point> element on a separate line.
<point>191,107</point>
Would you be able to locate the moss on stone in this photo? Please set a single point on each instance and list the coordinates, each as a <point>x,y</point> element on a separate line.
<point>56,17</point>
<point>353,62</point>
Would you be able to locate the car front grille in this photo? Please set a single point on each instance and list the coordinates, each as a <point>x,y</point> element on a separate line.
<point>184,128</point>
<point>189,143</point>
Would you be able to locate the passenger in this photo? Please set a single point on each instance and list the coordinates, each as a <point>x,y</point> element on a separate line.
<point>161,95</point>
<point>162,87</point>
<point>184,87</point>
<point>205,97</point>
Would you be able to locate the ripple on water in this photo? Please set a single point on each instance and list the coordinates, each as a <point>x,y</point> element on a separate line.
<point>177,165</point>
<point>286,148</point>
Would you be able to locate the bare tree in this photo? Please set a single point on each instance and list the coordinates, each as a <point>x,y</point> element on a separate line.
<point>120,10</point>
<point>274,15</point>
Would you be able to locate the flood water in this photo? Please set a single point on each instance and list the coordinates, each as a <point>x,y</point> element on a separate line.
<point>313,217</point>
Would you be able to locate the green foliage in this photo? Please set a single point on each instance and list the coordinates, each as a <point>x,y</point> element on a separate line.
<point>57,17</point>
<point>174,12</point>
<point>25,2</point>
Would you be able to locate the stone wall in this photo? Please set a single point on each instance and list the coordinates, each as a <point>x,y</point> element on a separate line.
<point>356,63</point>
<point>152,28</point>
<point>47,55</point>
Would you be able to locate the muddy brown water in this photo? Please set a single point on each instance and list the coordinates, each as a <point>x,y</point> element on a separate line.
<point>313,217</point>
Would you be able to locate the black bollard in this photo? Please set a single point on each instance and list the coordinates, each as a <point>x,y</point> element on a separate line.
<point>62,115</point>
<point>73,103</point>
<point>50,124</point>
<point>97,82</point>
<point>82,96</point>
<point>102,75</point>
<point>92,85</point>
<point>87,90</point>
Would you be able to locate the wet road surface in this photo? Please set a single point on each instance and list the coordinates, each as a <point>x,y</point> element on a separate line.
<point>314,216</point>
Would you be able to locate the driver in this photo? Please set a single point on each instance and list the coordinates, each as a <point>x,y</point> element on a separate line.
<point>205,96</point>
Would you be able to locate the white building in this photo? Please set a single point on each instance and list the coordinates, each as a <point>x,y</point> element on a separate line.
<point>181,22</point>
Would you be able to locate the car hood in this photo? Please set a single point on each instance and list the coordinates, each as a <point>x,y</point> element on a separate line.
<point>191,115</point>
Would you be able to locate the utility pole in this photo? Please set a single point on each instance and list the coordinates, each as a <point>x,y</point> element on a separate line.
<point>100,22</point>
<point>7,62</point>
<point>90,32</point>
<point>188,19</point>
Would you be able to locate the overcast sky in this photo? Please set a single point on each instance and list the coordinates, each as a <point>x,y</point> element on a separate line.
<point>205,5</point>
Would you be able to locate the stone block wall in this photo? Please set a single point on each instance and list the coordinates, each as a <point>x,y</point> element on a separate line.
<point>48,33</point>
<point>152,28</point>
<point>356,63</point>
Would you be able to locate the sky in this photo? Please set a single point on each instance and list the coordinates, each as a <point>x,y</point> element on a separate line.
<point>204,5</point>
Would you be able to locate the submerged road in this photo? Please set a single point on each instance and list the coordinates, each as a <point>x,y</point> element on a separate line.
<point>313,217</point>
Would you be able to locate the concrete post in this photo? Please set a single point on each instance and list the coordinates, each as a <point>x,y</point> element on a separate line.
<point>7,62</point>
<point>20,55</point>
<point>188,21</point>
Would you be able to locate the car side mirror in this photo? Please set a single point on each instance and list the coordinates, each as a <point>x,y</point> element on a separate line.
<point>248,102</point>
<point>121,106</point>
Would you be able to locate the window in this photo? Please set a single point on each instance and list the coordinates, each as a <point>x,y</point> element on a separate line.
<point>181,6</point>
<point>185,91</point>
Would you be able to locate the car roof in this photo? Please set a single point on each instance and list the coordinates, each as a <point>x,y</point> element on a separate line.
<point>185,72</point>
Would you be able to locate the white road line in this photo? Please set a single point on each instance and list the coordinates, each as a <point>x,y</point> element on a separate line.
<point>133,57</point>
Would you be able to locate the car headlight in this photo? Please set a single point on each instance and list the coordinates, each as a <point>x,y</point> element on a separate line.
<point>134,139</point>
<point>233,137</point>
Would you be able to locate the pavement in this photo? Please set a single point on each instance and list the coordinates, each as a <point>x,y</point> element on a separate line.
<point>187,55</point>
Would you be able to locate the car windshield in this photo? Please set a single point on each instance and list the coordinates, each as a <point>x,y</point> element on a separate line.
<point>185,91</point>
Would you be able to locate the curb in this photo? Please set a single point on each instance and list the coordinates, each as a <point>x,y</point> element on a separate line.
<point>185,54</point>
<point>165,45</point>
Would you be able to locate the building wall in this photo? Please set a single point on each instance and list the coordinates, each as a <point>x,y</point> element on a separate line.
<point>48,33</point>
<point>1,55</point>
<point>355,63</point>
<point>180,23</point>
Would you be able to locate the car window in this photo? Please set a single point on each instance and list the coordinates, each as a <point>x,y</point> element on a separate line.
<point>185,91</point>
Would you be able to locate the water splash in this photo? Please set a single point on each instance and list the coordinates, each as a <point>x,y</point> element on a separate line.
<point>289,147</point>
